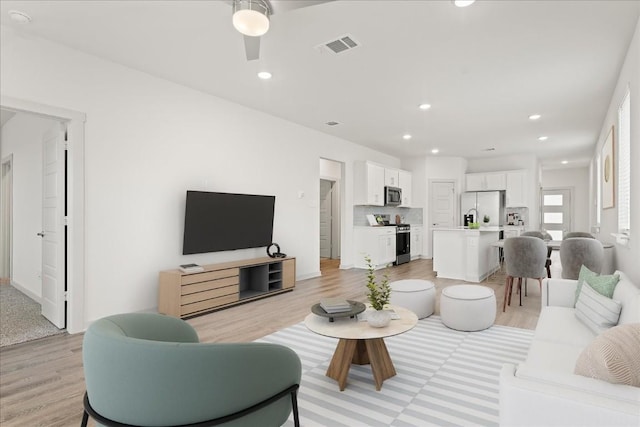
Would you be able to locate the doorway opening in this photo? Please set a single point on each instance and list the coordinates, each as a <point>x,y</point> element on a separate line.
<point>330,214</point>
<point>69,299</point>
<point>33,235</point>
<point>6,220</point>
<point>556,212</point>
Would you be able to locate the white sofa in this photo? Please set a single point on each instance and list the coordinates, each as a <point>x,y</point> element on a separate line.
<point>544,391</point>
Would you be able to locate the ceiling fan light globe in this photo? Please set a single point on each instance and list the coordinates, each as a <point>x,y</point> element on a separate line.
<point>463,3</point>
<point>250,22</point>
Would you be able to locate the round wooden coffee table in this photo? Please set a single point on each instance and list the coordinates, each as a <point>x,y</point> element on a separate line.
<point>361,344</point>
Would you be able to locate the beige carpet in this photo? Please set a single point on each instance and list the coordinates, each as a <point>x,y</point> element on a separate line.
<point>20,318</point>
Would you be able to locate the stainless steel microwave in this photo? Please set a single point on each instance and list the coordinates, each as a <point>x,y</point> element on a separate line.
<point>392,196</point>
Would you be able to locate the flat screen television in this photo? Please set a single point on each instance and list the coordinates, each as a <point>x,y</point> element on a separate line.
<point>216,222</point>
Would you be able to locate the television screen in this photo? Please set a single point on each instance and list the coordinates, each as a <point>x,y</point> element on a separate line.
<point>222,221</point>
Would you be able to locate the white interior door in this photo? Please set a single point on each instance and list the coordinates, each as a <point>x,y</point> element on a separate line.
<point>443,205</point>
<point>53,235</point>
<point>325,217</point>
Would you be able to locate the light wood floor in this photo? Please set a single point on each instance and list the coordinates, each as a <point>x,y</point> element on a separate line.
<point>42,383</point>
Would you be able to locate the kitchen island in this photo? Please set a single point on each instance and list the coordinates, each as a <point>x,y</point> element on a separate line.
<point>465,254</point>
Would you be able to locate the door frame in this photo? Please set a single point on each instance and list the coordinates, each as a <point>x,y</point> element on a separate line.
<point>8,221</point>
<point>571,209</point>
<point>76,279</point>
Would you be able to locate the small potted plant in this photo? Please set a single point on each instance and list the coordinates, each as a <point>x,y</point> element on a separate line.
<point>486,220</point>
<point>378,295</point>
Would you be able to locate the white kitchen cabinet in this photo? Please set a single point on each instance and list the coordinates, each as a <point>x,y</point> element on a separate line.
<point>404,182</point>
<point>416,241</point>
<point>379,243</point>
<point>488,181</point>
<point>464,254</point>
<point>369,184</point>
<point>391,177</point>
<point>517,194</point>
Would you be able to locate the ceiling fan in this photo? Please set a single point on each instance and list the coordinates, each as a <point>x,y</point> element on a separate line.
<point>251,19</point>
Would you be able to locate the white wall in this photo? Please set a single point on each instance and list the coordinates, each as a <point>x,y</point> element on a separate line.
<point>626,257</point>
<point>576,179</point>
<point>147,141</point>
<point>22,137</point>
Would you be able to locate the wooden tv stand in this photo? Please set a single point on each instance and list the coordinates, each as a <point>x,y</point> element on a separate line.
<point>224,285</point>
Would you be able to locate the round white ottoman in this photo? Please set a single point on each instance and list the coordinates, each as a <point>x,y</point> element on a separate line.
<point>468,307</point>
<point>416,295</point>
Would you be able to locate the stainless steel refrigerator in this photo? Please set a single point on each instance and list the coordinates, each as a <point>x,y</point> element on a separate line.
<point>481,203</point>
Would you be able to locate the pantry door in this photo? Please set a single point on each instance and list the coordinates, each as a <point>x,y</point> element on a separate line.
<point>443,204</point>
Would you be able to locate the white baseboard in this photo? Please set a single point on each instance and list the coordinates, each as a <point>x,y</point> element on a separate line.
<point>27,292</point>
<point>346,266</point>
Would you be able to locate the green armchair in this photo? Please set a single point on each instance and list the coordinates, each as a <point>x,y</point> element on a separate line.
<point>146,369</point>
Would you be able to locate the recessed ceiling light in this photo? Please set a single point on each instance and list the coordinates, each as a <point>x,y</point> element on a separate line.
<point>435,151</point>
<point>19,17</point>
<point>564,162</point>
<point>463,3</point>
<point>264,75</point>
<point>406,136</point>
<point>534,116</point>
<point>424,106</point>
<point>543,138</point>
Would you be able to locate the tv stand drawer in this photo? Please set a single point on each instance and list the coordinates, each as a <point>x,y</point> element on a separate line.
<point>223,285</point>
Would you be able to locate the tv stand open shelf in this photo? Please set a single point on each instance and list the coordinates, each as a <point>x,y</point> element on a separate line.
<point>224,285</point>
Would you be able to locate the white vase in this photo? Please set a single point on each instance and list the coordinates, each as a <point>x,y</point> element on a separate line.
<point>379,318</point>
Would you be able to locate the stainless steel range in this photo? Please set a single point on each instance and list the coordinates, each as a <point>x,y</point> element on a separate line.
<point>403,243</point>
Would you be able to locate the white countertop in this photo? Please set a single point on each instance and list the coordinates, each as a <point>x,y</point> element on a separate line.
<point>467,229</point>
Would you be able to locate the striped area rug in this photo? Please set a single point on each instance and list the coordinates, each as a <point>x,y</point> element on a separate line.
<point>444,377</point>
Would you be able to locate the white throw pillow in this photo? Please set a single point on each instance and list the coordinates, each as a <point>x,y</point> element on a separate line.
<point>596,311</point>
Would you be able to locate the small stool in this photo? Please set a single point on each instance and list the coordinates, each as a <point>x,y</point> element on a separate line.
<point>468,307</point>
<point>416,295</point>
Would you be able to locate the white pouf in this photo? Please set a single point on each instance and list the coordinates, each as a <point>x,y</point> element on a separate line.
<point>416,295</point>
<point>468,307</point>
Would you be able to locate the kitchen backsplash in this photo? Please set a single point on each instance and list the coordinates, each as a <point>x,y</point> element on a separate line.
<point>522,214</point>
<point>408,215</point>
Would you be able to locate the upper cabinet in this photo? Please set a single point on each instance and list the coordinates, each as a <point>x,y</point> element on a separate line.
<point>404,182</point>
<point>485,181</point>
<point>371,178</point>
<point>517,194</point>
<point>391,177</point>
<point>369,184</point>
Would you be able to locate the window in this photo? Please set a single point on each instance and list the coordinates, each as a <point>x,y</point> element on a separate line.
<point>624,167</point>
<point>598,190</point>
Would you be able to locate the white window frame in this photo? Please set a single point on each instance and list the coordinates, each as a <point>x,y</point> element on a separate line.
<point>624,170</point>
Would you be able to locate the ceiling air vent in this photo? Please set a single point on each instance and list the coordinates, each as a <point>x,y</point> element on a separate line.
<point>340,44</point>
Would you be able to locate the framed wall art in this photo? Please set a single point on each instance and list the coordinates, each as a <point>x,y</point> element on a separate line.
<point>608,171</point>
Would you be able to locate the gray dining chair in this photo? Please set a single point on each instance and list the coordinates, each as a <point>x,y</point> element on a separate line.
<point>525,257</point>
<point>578,251</point>
<point>572,234</point>
<point>544,236</point>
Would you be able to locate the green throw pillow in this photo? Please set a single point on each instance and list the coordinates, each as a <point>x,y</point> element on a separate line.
<point>584,273</point>
<point>604,285</point>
